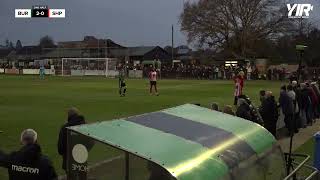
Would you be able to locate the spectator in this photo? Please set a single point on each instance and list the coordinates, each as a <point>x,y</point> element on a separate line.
<point>74,118</point>
<point>262,95</point>
<point>239,82</point>
<point>269,113</point>
<point>249,71</point>
<point>317,91</point>
<point>286,104</point>
<point>314,103</point>
<point>28,163</point>
<point>215,106</point>
<point>297,91</point>
<point>304,104</point>
<point>216,72</point>
<point>243,110</point>
<point>269,74</point>
<point>292,95</point>
<point>228,110</point>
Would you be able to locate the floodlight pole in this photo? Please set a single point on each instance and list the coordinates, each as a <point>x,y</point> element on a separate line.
<point>172,44</point>
<point>300,49</point>
<point>290,160</point>
<point>300,64</point>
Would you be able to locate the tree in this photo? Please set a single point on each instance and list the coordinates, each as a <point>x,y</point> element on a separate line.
<point>46,42</point>
<point>232,24</point>
<point>18,45</point>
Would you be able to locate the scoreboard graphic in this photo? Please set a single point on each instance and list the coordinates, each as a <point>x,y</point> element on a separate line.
<point>40,12</point>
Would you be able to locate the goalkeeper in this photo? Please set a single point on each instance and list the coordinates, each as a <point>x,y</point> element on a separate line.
<point>122,83</point>
<point>42,72</point>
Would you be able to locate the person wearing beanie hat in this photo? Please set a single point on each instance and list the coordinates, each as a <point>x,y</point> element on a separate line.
<point>74,118</point>
<point>269,113</point>
<point>73,111</point>
<point>28,163</point>
<point>215,106</point>
<point>294,83</point>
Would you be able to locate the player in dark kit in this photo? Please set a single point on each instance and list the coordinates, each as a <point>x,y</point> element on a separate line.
<point>122,83</point>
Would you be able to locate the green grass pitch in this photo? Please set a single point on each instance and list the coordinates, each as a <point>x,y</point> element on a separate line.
<point>28,102</point>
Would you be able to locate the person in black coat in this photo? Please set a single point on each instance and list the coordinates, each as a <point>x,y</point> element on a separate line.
<point>304,104</point>
<point>317,92</point>
<point>74,119</point>
<point>28,163</point>
<point>243,110</point>
<point>269,113</point>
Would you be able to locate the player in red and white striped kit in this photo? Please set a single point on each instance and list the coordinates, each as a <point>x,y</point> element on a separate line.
<point>239,82</point>
<point>153,81</point>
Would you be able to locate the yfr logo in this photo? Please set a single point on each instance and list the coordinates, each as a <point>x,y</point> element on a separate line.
<point>301,10</point>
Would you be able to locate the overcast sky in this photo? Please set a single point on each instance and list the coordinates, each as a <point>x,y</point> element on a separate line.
<point>128,22</point>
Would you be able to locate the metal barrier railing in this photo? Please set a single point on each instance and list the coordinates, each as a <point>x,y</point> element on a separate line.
<point>300,165</point>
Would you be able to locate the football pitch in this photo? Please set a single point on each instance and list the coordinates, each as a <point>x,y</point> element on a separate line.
<point>28,102</point>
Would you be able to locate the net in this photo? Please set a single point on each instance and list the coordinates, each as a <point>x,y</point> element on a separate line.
<point>88,67</point>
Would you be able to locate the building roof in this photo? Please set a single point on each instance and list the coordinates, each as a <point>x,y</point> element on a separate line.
<point>4,52</point>
<point>140,50</point>
<point>89,42</point>
<point>189,141</point>
<point>133,51</point>
<point>27,50</point>
<point>65,53</point>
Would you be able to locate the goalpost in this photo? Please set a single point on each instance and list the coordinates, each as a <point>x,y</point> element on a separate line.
<point>89,67</point>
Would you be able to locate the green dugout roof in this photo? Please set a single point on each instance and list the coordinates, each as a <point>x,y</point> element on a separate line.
<point>190,142</point>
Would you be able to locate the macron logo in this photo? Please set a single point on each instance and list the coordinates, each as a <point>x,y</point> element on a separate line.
<point>25,169</point>
<point>301,10</point>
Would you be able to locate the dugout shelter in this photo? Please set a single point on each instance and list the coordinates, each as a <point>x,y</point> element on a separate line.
<point>187,142</point>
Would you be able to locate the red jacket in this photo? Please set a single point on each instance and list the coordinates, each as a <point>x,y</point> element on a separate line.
<point>313,96</point>
<point>238,80</point>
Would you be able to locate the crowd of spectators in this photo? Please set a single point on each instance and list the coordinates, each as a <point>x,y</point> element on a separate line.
<point>185,71</point>
<point>299,105</point>
<point>276,74</point>
<point>207,72</point>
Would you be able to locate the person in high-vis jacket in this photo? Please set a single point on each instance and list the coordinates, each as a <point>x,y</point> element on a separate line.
<point>28,163</point>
